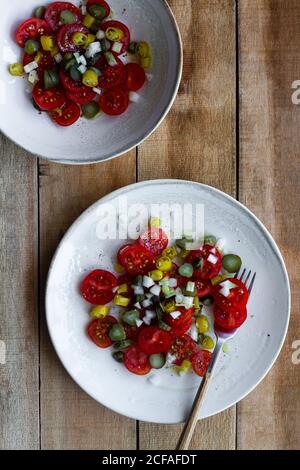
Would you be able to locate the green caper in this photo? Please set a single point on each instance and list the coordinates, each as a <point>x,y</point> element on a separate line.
<point>118,356</point>
<point>231,263</point>
<point>31,46</point>
<point>210,240</point>
<point>67,17</point>
<point>39,12</point>
<point>51,79</point>
<point>117,333</point>
<point>130,317</point>
<point>75,74</point>
<point>90,110</point>
<point>97,11</point>
<point>123,344</point>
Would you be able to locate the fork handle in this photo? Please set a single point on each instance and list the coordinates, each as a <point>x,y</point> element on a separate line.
<point>189,427</point>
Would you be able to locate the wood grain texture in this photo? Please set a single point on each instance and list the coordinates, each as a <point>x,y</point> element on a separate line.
<point>197,142</point>
<point>69,418</point>
<point>269,185</point>
<point>19,377</point>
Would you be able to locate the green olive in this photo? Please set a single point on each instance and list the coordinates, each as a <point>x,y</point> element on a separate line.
<point>39,12</point>
<point>51,79</point>
<point>90,110</point>
<point>31,46</point>
<point>67,17</point>
<point>97,11</point>
<point>118,356</point>
<point>117,333</point>
<point>231,263</point>
<point>75,74</point>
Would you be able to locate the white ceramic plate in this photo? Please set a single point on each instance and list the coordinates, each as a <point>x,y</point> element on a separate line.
<point>162,396</point>
<point>105,137</point>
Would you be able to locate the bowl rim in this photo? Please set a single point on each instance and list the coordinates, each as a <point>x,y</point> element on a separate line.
<point>147,134</point>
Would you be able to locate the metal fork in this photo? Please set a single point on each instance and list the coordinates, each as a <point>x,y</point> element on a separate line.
<point>222,338</point>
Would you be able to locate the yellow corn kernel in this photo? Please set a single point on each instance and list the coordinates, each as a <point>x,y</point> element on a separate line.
<point>119,268</point>
<point>208,342</point>
<point>155,222</point>
<point>202,324</point>
<point>47,42</point>
<point>164,263</point>
<point>183,253</point>
<point>184,367</point>
<point>88,21</point>
<point>114,34</point>
<point>122,288</point>
<point>170,252</point>
<point>16,70</point>
<point>142,49</point>
<point>169,306</point>
<point>100,311</point>
<point>121,301</point>
<point>79,39</point>
<point>146,62</point>
<point>90,38</point>
<point>156,275</point>
<point>38,57</point>
<point>54,51</point>
<point>216,280</point>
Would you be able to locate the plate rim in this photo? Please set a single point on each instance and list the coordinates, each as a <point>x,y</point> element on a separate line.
<point>146,135</point>
<point>116,193</point>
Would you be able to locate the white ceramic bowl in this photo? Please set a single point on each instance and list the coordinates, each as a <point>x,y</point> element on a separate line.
<point>162,396</point>
<point>105,137</point>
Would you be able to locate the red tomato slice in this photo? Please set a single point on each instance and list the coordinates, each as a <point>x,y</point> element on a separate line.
<point>48,99</point>
<point>64,37</point>
<point>97,287</point>
<point>237,298</point>
<point>117,24</point>
<point>136,361</point>
<point>153,340</point>
<point>136,76</point>
<point>208,270</point>
<point>135,259</point>
<point>203,288</point>
<point>31,29</point>
<point>52,14</point>
<point>154,240</point>
<point>98,331</point>
<point>112,76</point>
<point>114,102</point>
<point>102,3</point>
<point>71,85</point>
<point>67,114</point>
<point>200,361</point>
<point>181,324</point>
<point>183,347</point>
<point>228,320</point>
<point>85,96</point>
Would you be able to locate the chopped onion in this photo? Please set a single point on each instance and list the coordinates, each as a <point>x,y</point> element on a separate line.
<point>33,77</point>
<point>31,66</point>
<point>193,332</point>
<point>83,9</point>
<point>146,303</point>
<point>138,290</point>
<point>100,34</point>
<point>175,314</point>
<point>58,58</point>
<point>138,305</point>
<point>190,287</point>
<point>155,290</point>
<point>149,295</point>
<point>110,59</point>
<point>148,282</point>
<point>170,359</point>
<point>172,282</point>
<point>138,322</point>
<point>220,244</point>
<point>92,49</point>
<point>82,68</point>
<point>97,90</point>
<point>76,55</point>
<point>134,97</point>
<point>117,47</point>
<point>82,60</point>
<point>212,259</point>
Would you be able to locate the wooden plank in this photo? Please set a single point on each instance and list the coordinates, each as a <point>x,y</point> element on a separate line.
<point>69,418</point>
<point>197,142</point>
<point>19,377</point>
<point>269,185</point>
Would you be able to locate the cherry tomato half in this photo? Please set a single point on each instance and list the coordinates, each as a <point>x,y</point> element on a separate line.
<point>52,14</point>
<point>31,29</point>
<point>200,361</point>
<point>181,324</point>
<point>182,347</point>
<point>85,96</point>
<point>48,99</point>
<point>114,102</point>
<point>97,287</point>
<point>136,361</point>
<point>228,320</point>
<point>203,287</point>
<point>208,270</point>
<point>117,24</point>
<point>64,37</point>
<point>154,240</point>
<point>67,114</point>
<point>135,259</point>
<point>237,298</point>
<point>154,340</point>
<point>72,85</point>
<point>102,3</point>
<point>135,76</point>
<point>98,331</point>
<point>112,76</point>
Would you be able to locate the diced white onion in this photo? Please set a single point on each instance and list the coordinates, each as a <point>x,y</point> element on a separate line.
<point>148,282</point>
<point>175,314</point>
<point>170,359</point>
<point>111,59</point>
<point>190,287</point>
<point>100,34</point>
<point>134,97</point>
<point>117,47</point>
<point>92,49</point>
<point>172,282</point>
<point>146,320</point>
<point>83,9</point>
<point>33,77</point>
<point>138,290</point>
<point>212,259</point>
<point>58,58</point>
<point>82,60</point>
<point>213,250</point>
<point>188,302</point>
<point>179,299</point>
<point>149,76</point>
<point>138,322</point>
<point>155,290</point>
<point>150,313</point>
<point>149,295</point>
<point>193,332</point>
<point>82,68</point>
<point>31,66</point>
<point>138,305</point>
<point>146,303</point>
<point>225,287</point>
<point>76,55</point>
<point>97,90</point>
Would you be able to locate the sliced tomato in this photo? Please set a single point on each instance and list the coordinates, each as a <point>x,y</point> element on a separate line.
<point>85,96</point>
<point>31,29</point>
<point>135,259</point>
<point>237,298</point>
<point>154,240</point>
<point>72,85</point>
<point>52,14</point>
<point>117,24</point>
<point>200,361</point>
<point>154,340</point>
<point>48,99</point>
<point>98,331</point>
<point>182,347</point>
<point>135,76</point>
<point>203,288</point>
<point>67,114</point>
<point>136,361</point>
<point>114,102</point>
<point>228,320</point>
<point>181,324</point>
<point>102,3</point>
<point>64,37</point>
<point>97,287</point>
<point>112,76</point>
<point>207,270</point>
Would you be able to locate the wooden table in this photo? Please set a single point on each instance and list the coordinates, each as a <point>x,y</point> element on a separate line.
<point>233,126</point>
